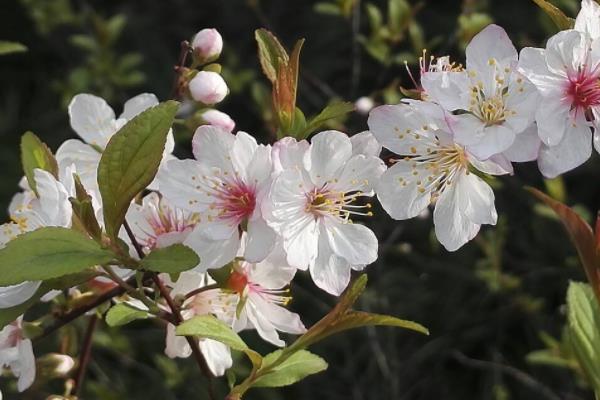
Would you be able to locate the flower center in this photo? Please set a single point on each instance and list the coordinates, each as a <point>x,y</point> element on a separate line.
<point>434,171</point>
<point>235,201</point>
<point>583,90</point>
<point>164,219</point>
<point>490,110</point>
<point>326,201</point>
<point>237,282</point>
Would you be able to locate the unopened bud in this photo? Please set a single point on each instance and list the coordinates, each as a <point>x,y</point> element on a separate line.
<point>207,44</point>
<point>364,105</point>
<point>218,118</point>
<point>208,87</point>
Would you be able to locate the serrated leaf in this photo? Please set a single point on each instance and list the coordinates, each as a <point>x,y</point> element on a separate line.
<point>207,326</point>
<point>270,53</point>
<point>7,47</point>
<point>358,319</point>
<point>556,15</point>
<point>581,236</point>
<point>583,315</point>
<point>36,154</point>
<point>173,259</point>
<point>332,111</point>
<point>48,253</point>
<point>130,161</point>
<point>295,368</point>
<point>122,314</point>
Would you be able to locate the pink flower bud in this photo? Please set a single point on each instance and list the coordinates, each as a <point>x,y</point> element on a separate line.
<point>207,44</point>
<point>208,87</point>
<point>220,119</point>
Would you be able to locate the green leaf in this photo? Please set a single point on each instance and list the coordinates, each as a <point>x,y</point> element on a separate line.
<point>130,161</point>
<point>11,47</point>
<point>270,53</point>
<point>295,368</point>
<point>122,314</point>
<point>173,259</point>
<point>399,14</point>
<point>207,326</point>
<point>357,319</point>
<point>35,154</point>
<point>583,315</point>
<point>581,236</point>
<point>48,253</point>
<point>332,111</point>
<point>558,17</point>
<point>84,214</point>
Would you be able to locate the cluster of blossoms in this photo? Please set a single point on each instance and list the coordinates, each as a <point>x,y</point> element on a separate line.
<point>263,212</point>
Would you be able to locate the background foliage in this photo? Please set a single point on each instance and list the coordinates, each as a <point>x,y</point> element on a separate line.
<point>494,308</point>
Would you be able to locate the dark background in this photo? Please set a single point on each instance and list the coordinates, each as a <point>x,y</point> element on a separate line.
<point>488,305</point>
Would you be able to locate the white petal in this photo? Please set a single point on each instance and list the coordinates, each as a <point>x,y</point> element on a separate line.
<point>26,369</point>
<point>242,152</point>
<point>261,239</point>
<point>491,43</point>
<point>522,99</point>
<point>212,146</point>
<point>11,296</point>
<point>261,323</point>
<point>574,149</point>
<point>212,253</point>
<point>274,272</point>
<point>84,157</point>
<point>359,173</point>
<point>566,51</point>
<point>54,199</point>
<point>281,318</point>
<point>597,140</point>
<point>495,165</point>
<point>329,150</point>
<point>532,64</point>
<point>330,272</point>
<point>588,19</point>
<point>496,139</point>
<point>137,104</point>
<point>452,227</point>
<point>366,144</point>
<point>404,129</point>
<point>398,192</point>
<point>288,153</point>
<point>179,180</point>
<point>447,88</point>
<point>468,129</point>
<point>188,281</point>
<point>217,355</point>
<point>553,119</point>
<point>354,242</point>
<point>477,200</point>
<point>92,119</point>
<point>176,346</point>
<point>526,146</point>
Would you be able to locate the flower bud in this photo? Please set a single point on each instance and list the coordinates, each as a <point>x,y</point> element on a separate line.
<point>207,44</point>
<point>208,87</point>
<point>218,118</point>
<point>364,105</point>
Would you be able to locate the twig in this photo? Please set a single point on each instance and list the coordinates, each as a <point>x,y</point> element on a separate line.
<point>183,53</point>
<point>517,374</point>
<point>202,289</point>
<point>86,352</point>
<point>200,360</point>
<point>78,312</point>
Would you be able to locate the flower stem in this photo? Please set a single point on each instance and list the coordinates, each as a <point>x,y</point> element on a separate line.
<point>86,352</point>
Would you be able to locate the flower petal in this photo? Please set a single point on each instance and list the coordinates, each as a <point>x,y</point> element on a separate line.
<point>399,193</point>
<point>92,118</point>
<point>138,104</point>
<point>212,147</point>
<point>329,272</point>
<point>588,19</point>
<point>526,146</point>
<point>491,43</point>
<point>354,242</point>
<point>329,150</point>
<point>11,296</point>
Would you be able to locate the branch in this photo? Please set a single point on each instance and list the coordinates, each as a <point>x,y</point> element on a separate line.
<point>517,374</point>
<point>178,319</point>
<point>86,352</point>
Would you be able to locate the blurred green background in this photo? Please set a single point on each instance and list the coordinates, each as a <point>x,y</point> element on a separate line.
<point>494,308</point>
